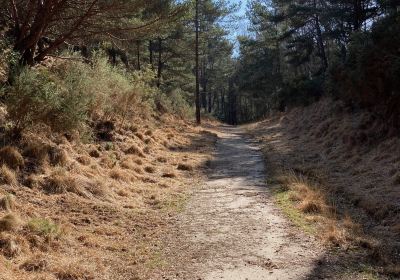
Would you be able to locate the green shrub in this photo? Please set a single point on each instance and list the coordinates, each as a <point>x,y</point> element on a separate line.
<point>38,96</point>
<point>44,227</point>
<point>69,94</point>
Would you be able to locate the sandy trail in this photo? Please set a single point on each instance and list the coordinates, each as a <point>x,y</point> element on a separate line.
<point>231,228</point>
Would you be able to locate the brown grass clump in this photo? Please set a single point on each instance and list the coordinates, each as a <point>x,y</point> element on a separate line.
<point>73,272</point>
<point>169,175</point>
<point>139,135</point>
<point>37,151</point>
<point>8,247</point>
<point>332,234</point>
<point>120,175</point>
<point>122,193</point>
<point>35,264</point>
<point>138,161</point>
<point>8,176</point>
<point>185,167</point>
<point>9,222</point>
<point>7,202</point>
<point>150,169</point>
<point>84,160</point>
<point>32,181</point>
<point>94,153</point>
<point>313,202</point>
<point>58,156</point>
<point>127,164</point>
<point>59,183</point>
<point>11,157</point>
<point>134,150</point>
<point>162,159</point>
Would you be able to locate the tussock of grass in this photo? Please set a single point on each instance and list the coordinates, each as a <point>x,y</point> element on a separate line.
<point>84,160</point>
<point>11,157</point>
<point>7,202</point>
<point>150,169</point>
<point>36,264</point>
<point>9,222</point>
<point>135,150</point>
<point>169,175</point>
<point>162,159</point>
<point>8,176</point>
<point>94,153</point>
<point>8,246</point>
<point>185,167</point>
<point>118,174</point>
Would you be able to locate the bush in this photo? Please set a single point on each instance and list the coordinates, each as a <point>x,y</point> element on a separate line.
<point>39,97</point>
<point>69,94</point>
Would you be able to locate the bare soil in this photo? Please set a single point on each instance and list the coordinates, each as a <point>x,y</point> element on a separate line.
<point>231,228</point>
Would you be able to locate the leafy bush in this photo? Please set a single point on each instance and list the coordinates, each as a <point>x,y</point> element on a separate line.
<point>37,96</point>
<point>70,93</point>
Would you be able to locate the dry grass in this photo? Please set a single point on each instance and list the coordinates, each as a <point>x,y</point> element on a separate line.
<point>8,176</point>
<point>340,172</point>
<point>162,159</point>
<point>7,202</point>
<point>119,174</point>
<point>94,153</point>
<point>109,212</point>
<point>44,227</point>
<point>169,174</point>
<point>36,264</point>
<point>150,169</point>
<point>11,157</point>
<point>84,160</point>
<point>10,222</point>
<point>185,167</point>
<point>135,150</point>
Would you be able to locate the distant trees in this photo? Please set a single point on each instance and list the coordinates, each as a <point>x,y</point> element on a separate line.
<point>300,50</point>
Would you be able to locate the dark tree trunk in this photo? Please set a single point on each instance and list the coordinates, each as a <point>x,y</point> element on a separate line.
<point>151,54</point>
<point>160,64</point>
<point>232,104</point>
<point>138,54</point>
<point>197,95</point>
<point>209,101</point>
<point>320,40</point>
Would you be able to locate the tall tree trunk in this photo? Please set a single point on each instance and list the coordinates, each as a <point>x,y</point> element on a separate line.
<point>138,54</point>
<point>232,104</point>
<point>151,54</point>
<point>320,40</point>
<point>209,101</point>
<point>358,10</point>
<point>159,70</point>
<point>198,114</point>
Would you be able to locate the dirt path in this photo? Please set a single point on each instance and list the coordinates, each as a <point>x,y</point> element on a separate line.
<point>231,228</point>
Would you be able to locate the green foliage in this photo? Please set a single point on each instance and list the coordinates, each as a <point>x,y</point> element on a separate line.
<point>69,94</point>
<point>370,74</point>
<point>44,227</point>
<point>38,96</point>
<point>175,102</point>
